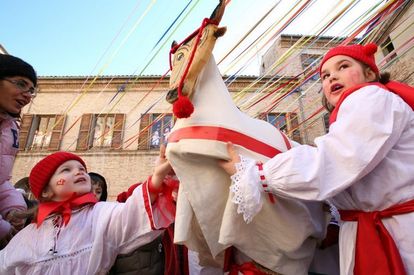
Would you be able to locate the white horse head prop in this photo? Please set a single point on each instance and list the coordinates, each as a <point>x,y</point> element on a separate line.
<point>283,235</point>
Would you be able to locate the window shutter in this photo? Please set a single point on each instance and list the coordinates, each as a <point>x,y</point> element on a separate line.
<point>57,133</point>
<point>325,119</point>
<point>84,132</point>
<point>143,138</point>
<point>262,116</point>
<point>25,126</point>
<point>117,132</point>
<point>293,129</point>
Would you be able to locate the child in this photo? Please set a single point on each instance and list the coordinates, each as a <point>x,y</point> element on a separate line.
<point>74,234</point>
<point>160,255</point>
<point>363,165</point>
<point>23,187</point>
<point>17,88</point>
<point>99,186</point>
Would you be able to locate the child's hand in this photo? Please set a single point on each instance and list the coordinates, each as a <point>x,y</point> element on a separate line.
<point>161,157</point>
<point>162,168</point>
<point>230,165</point>
<point>15,220</point>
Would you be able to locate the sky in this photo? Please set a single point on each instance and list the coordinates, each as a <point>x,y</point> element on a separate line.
<point>109,37</point>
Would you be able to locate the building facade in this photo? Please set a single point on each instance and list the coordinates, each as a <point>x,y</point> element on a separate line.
<point>116,124</point>
<point>395,37</point>
<point>302,64</point>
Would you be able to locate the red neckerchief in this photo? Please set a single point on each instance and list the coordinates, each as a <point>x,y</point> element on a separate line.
<point>375,251</point>
<point>63,208</point>
<point>406,92</point>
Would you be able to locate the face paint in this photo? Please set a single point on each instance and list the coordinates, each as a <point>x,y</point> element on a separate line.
<point>60,182</point>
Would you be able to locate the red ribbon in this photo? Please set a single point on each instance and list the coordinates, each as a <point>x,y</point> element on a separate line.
<point>263,182</point>
<point>63,208</point>
<point>376,252</point>
<point>183,107</point>
<point>225,135</point>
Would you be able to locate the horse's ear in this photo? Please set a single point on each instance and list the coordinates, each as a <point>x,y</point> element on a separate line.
<point>218,12</point>
<point>173,44</point>
<point>220,32</point>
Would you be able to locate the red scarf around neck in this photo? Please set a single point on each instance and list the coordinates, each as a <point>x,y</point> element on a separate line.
<point>63,208</point>
<point>405,91</point>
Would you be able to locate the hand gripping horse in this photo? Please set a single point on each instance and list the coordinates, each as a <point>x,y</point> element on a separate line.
<point>283,235</point>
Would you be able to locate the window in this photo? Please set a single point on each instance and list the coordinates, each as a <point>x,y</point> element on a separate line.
<point>41,132</point>
<point>154,130</point>
<point>309,63</point>
<point>103,131</point>
<point>286,123</point>
<point>278,120</point>
<point>100,131</point>
<point>325,118</point>
<point>387,48</point>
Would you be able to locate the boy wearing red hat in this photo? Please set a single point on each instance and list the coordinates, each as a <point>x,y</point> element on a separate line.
<point>363,166</point>
<point>75,234</point>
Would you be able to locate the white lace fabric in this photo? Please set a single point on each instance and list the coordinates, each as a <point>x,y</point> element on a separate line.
<point>247,189</point>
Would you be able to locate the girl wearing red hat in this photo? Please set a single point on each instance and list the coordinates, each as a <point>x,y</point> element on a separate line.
<point>17,88</point>
<point>75,234</point>
<point>363,166</point>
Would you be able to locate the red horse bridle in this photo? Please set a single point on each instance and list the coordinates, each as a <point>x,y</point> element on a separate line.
<point>199,32</point>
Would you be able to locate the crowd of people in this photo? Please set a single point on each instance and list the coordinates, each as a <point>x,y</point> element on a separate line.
<point>57,220</point>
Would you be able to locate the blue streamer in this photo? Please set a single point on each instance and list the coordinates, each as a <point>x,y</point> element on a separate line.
<point>172,24</point>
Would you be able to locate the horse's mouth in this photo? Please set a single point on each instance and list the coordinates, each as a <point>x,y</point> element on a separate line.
<point>172,96</point>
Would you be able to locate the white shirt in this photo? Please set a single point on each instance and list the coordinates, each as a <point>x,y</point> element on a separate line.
<point>365,163</point>
<point>89,243</point>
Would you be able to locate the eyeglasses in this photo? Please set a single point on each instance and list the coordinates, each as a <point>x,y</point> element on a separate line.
<point>23,86</point>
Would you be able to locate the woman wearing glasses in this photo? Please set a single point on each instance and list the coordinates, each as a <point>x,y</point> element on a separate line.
<point>17,88</point>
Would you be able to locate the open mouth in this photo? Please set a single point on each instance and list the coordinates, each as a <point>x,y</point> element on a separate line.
<point>21,102</point>
<point>80,180</point>
<point>336,87</point>
<point>172,96</point>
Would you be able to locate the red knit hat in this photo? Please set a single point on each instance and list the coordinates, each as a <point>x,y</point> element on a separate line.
<point>44,170</point>
<point>364,54</point>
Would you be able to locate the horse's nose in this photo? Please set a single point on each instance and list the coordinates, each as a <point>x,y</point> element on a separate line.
<point>172,96</point>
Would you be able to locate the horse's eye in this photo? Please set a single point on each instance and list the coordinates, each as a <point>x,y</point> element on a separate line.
<point>180,56</point>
